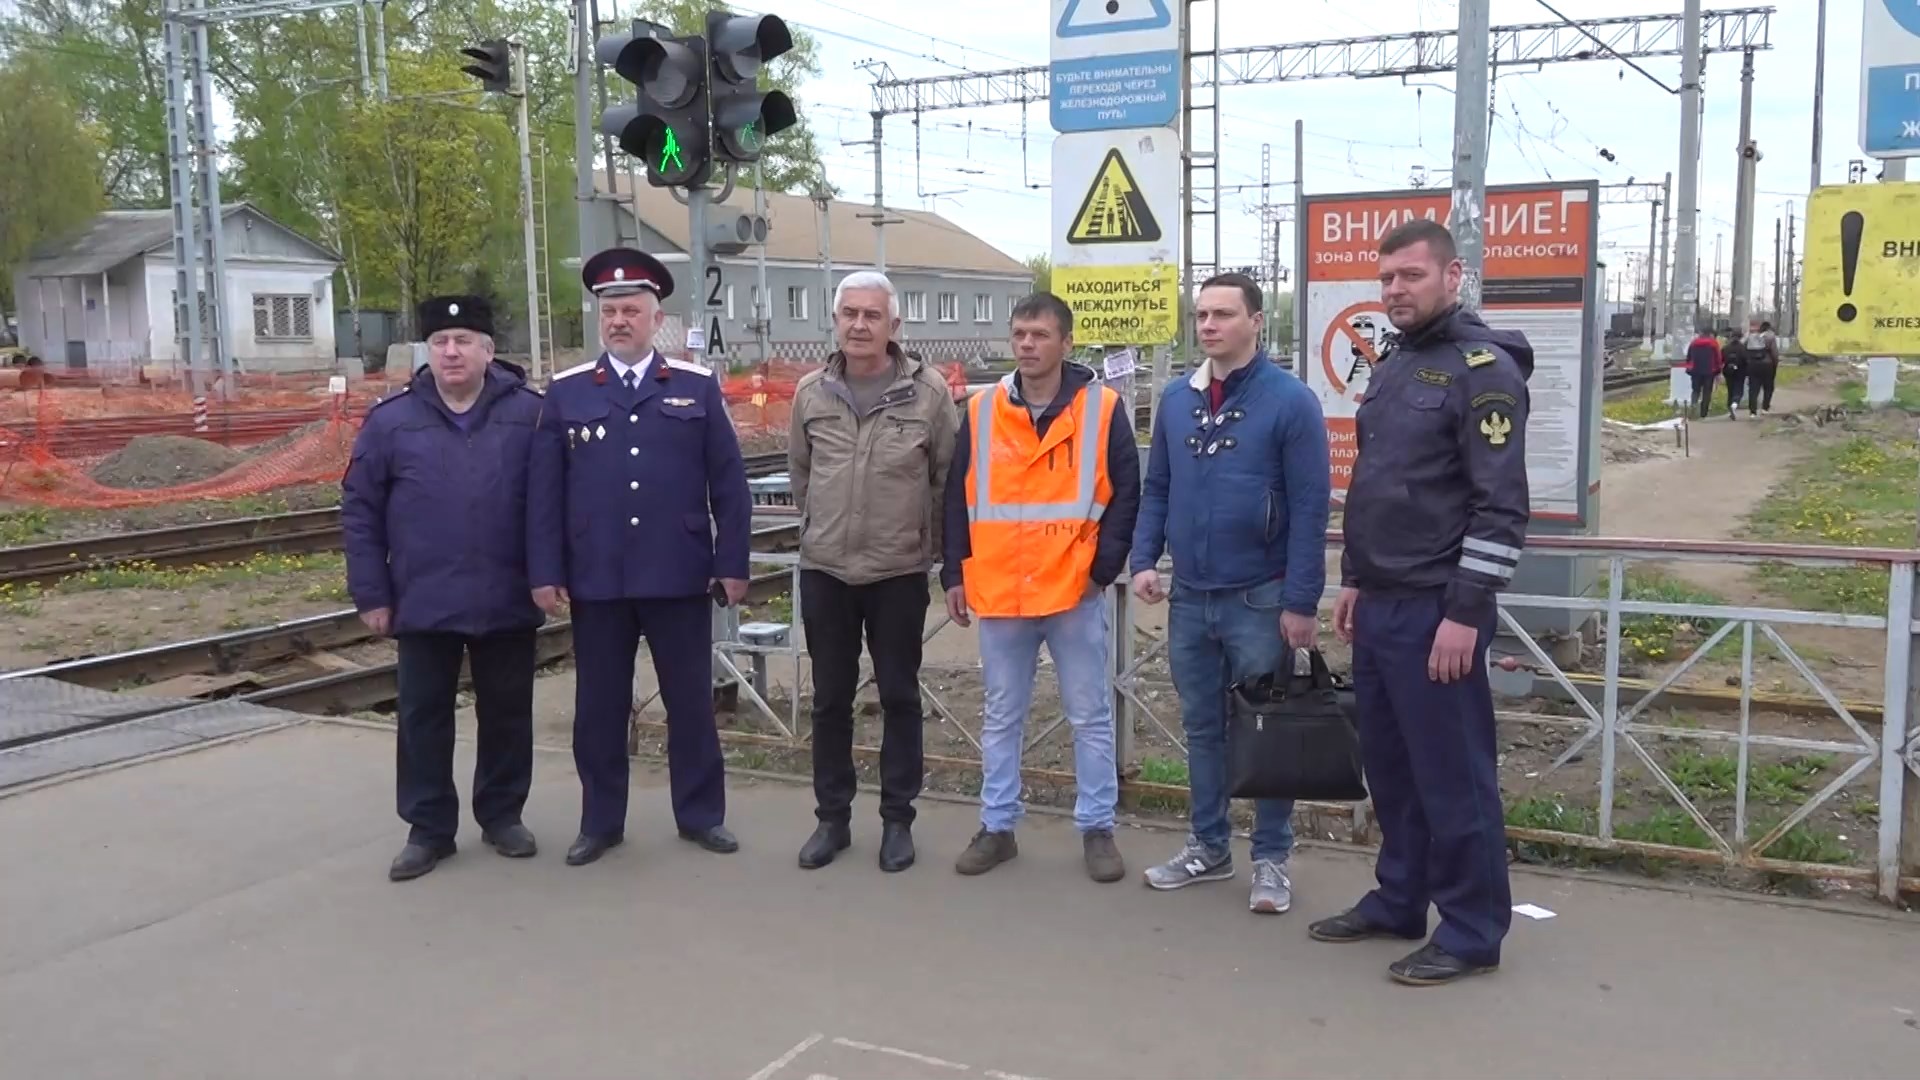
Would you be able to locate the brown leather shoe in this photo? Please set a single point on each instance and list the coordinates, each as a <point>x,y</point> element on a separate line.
<point>988,850</point>
<point>1103,856</point>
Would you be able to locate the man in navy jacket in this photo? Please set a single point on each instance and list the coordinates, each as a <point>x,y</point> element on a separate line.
<point>1238,485</point>
<point>430,507</point>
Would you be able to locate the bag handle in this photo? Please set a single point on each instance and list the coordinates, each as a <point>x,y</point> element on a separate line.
<point>1319,676</point>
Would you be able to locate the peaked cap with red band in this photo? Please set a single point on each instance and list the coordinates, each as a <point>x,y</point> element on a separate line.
<point>624,271</point>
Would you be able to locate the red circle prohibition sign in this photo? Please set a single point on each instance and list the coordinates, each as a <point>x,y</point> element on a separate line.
<point>1341,329</point>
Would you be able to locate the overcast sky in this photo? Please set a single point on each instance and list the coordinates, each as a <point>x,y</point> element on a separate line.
<point>1360,135</point>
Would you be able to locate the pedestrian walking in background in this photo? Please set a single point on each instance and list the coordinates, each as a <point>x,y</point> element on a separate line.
<point>1703,364</point>
<point>1763,367</point>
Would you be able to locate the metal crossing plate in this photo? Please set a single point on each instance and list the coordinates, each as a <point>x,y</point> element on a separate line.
<point>89,742</point>
<point>36,709</point>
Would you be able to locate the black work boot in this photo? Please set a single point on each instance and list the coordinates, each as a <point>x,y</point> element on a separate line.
<point>828,840</point>
<point>1431,965</point>
<point>419,857</point>
<point>511,839</point>
<point>1350,925</point>
<point>896,846</point>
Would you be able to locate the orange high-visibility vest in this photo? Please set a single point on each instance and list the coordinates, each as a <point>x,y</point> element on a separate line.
<point>1034,504</point>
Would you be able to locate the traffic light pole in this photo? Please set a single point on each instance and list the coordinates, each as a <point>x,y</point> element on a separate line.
<point>527,208</point>
<point>699,202</point>
<point>586,206</point>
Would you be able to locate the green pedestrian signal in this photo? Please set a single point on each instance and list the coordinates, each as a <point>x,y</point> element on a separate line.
<point>670,153</point>
<point>749,138</point>
<point>739,47</point>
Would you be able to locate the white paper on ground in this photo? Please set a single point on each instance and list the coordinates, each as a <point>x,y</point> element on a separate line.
<point>1533,911</point>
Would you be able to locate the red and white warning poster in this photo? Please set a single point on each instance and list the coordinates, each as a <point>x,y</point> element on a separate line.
<point>1539,280</point>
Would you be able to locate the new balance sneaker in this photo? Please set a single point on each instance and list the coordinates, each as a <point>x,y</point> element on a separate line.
<point>1194,863</point>
<point>1272,890</point>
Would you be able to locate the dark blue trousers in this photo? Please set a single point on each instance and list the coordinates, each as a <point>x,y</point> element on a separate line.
<point>1430,756</point>
<point>606,636</point>
<point>429,675</point>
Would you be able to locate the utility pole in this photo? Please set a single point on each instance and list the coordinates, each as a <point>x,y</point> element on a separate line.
<point>360,43</point>
<point>519,54</point>
<point>1749,162</point>
<point>762,325</point>
<point>1686,254</point>
<point>1792,320</point>
<point>823,200</point>
<point>879,214</point>
<point>1777,292</point>
<point>1819,91</point>
<point>1646,312</point>
<point>1714,304</point>
<point>1299,247</point>
<point>586,203</point>
<point>380,46</point>
<point>1467,218</point>
<point>1661,311</point>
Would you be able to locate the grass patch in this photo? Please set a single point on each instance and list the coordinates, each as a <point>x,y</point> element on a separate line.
<point>1804,843</point>
<point>20,527</point>
<point>328,591</point>
<point>1853,494</point>
<point>19,600</point>
<point>1668,826</point>
<point>1653,637</point>
<point>1703,776</point>
<point>1169,771</point>
<point>1791,779</point>
<point>145,575</point>
<point>1853,395</point>
<point>1646,405</point>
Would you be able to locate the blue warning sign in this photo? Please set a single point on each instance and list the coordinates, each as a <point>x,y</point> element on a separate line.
<point>1090,18</point>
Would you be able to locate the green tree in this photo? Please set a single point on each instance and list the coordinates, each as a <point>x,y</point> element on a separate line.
<point>49,163</point>
<point>1041,267</point>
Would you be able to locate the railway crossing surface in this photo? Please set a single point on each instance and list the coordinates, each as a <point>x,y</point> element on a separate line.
<point>224,911</point>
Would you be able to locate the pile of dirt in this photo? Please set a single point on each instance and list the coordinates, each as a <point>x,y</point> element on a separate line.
<point>157,461</point>
<point>303,432</point>
<point>1623,445</point>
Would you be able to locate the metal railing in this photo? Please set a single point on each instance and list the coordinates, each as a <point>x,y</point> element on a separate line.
<point>1622,724</point>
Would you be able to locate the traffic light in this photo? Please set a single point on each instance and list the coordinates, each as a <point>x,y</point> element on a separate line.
<point>667,126</point>
<point>492,65</point>
<point>744,117</point>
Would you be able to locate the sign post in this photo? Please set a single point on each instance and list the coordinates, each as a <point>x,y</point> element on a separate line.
<point>1116,77</point>
<point>1540,279</point>
<point>1890,79</point>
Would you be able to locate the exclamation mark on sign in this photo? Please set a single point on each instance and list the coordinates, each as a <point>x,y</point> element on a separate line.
<point>1852,225</point>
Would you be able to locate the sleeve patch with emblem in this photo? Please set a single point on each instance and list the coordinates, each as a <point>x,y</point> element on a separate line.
<point>1479,358</point>
<point>1432,377</point>
<point>1496,427</point>
<point>1492,397</point>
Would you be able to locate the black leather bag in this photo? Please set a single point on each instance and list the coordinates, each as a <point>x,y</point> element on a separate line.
<point>1293,736</point>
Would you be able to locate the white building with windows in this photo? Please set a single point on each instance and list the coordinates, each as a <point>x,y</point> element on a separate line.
<point>956,290</point>
<point>103,300</point>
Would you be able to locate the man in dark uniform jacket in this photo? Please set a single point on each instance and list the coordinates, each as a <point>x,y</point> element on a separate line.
<point>1436,517</point>
<point>437,469</point>
<point>634,464</point>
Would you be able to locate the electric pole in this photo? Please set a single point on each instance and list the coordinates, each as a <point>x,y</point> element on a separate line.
<point>1749,159</point>
<point>1467,218</point>
<point>1686,249</point>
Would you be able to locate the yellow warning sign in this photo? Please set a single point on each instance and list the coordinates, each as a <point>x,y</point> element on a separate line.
<point>1121,305</point>
<point>1114,211</point>
<point>1861,292</point>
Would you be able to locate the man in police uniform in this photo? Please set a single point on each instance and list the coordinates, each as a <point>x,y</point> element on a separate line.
<point>634,464</point>
<point>1436,516</point>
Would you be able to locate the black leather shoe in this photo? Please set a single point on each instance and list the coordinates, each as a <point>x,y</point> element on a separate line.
<point>716,839</point>
<point>1431,965</point>
<point>418,858</point>
<point>586,848</point>
<point>1350,925</point>
<point>896,847</point>
<point>513,840</point>
<point>828,840</point>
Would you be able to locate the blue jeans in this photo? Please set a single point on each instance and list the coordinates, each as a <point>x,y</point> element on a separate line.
<point>1215,638</point>
<point>1076,639</point>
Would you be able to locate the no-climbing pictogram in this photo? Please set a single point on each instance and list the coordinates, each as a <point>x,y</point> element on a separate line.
<point>1352,345</point>
<point>1114,211</point>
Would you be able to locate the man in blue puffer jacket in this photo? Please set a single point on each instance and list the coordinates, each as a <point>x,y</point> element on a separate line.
<point>1238,485</point>
<point>432,506</point>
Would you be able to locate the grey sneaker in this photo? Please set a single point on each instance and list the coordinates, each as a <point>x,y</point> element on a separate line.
<point>1194,863</point>
<point>1272,891</point>
<point>1103,856</point>
<point>988,850</point>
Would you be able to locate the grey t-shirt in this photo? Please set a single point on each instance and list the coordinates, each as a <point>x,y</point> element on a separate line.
<point>868,389</point>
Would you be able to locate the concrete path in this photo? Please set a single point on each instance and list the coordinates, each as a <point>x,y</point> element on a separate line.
<point>225,913</point>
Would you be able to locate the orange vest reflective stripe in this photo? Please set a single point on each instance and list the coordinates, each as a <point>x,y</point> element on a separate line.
<point>1034,504</point>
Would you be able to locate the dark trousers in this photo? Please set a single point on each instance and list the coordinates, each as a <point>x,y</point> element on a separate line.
<point>1760,386</point>
<point>893,615</point>
<point>1702,393</point>
<point>679,634</point>
<point>1736,386</point>
<point>1430,755</point>
<point>502,666</point>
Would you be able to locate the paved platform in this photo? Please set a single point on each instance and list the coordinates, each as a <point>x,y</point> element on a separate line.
<point>225,913</point>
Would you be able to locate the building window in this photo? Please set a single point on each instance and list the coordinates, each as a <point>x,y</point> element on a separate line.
<point>982,307</point>
<point>797,301</point>
<point>730,303</point>
<point>206,315</point>
<point>282,318</point>
<point>949,307</point>
<point>916,306</point>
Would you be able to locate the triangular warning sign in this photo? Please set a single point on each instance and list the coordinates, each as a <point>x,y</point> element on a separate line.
<point>1086,18</point>
<point>1114,211</point>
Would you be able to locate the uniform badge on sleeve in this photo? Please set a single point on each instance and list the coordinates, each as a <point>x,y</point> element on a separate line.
<point>1479,358</point>
<point>1496,427</point>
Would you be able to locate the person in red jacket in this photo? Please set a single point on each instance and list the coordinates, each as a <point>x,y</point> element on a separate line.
<point>1703,363</point>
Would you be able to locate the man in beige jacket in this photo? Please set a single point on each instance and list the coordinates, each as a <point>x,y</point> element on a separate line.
<point>873,433</point>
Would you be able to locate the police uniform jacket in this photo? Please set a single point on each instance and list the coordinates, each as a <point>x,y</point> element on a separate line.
<point>628,486</point>
<point>427,503</point>
<point>1439,495</point>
